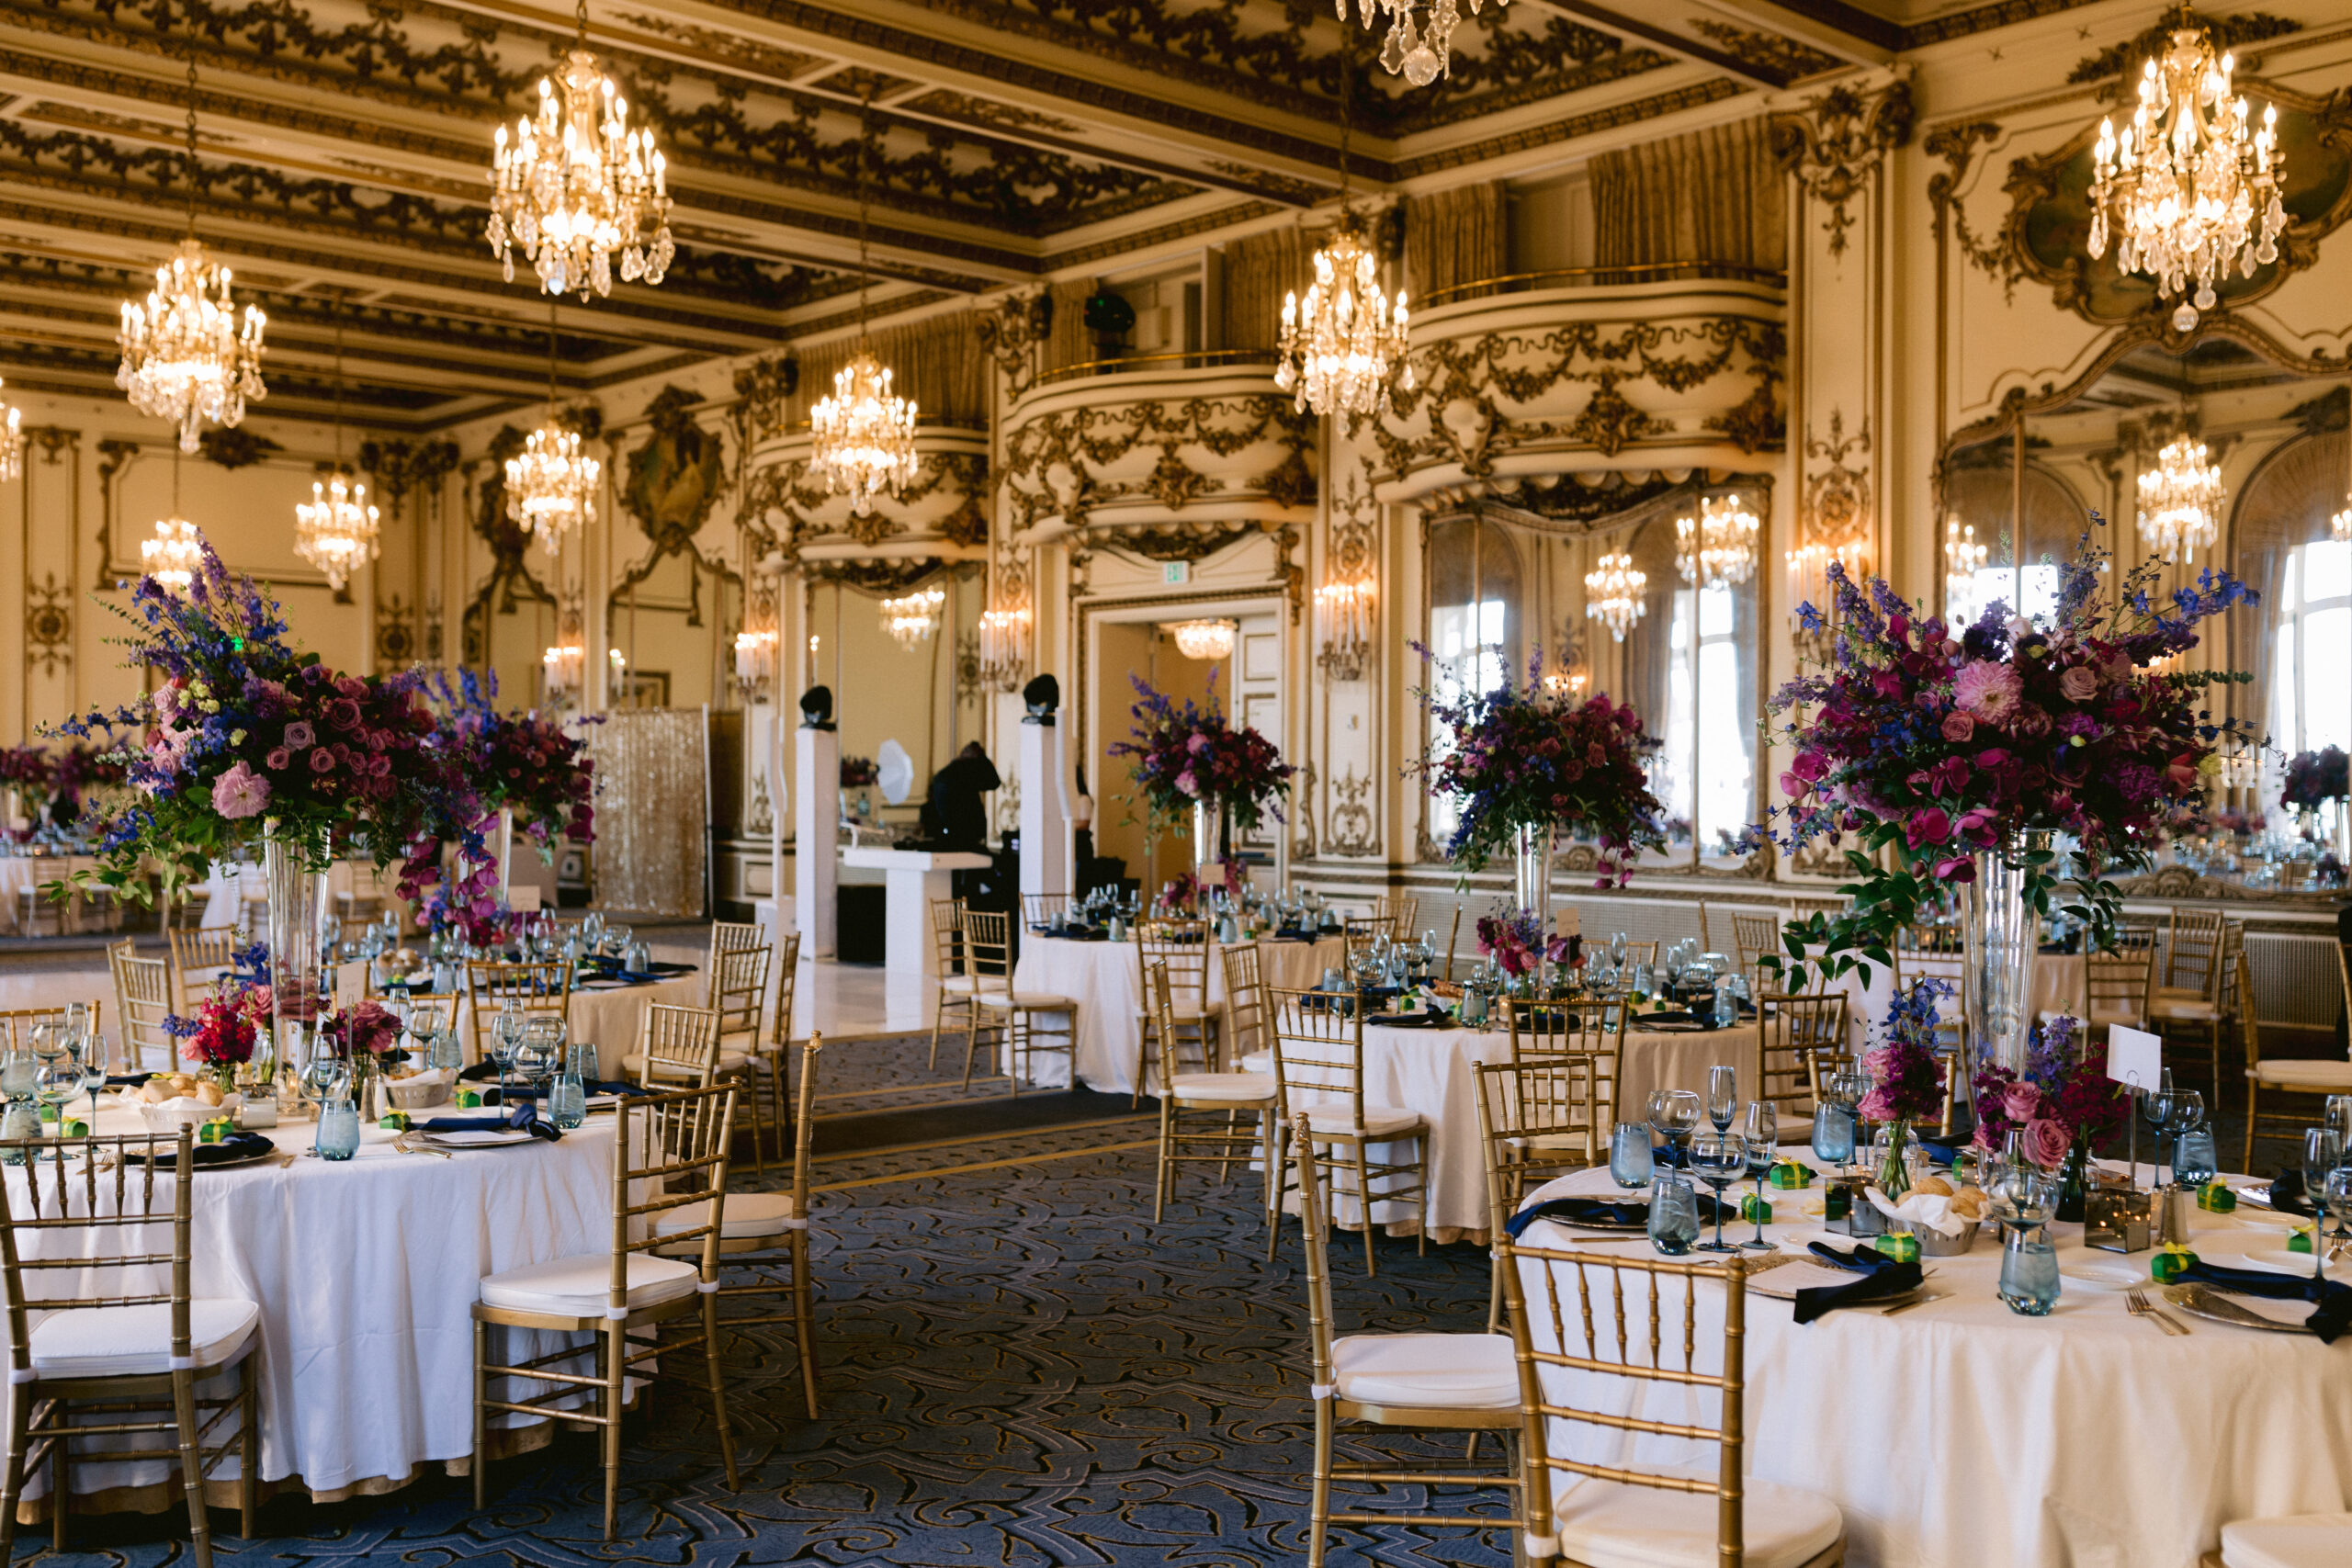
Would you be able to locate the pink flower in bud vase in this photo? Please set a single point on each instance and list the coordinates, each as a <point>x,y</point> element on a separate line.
<point>2046,1141</point>
<point>240,793</point>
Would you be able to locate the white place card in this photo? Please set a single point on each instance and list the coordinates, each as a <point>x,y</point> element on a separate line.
<point>2135,1057</point>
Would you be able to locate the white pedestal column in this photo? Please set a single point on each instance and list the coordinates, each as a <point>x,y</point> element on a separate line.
<point>1045,816</point>
<point>916,879</point>
<point>816,858</point>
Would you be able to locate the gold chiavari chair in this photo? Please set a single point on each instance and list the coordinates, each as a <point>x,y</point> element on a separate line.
<point>491,987</point>
<point>1318,1062</point>
<point>2314,1076</point>
<point>1582,1320</point>
<point>1247,1046</point>
<point>1793,1028</point>
<point>1536,1121</point>
<point>669,1152</point>
<point>1643,953</point>
<point>142,1000</point>
<point>769,1066</point>
<point>1191,1106</point>
<point>1044,909</point>
<point>1401,910</point>
<point>1183,947</point>
<point>737,991</point>
<point>15,1022</point>
<point>759,1223</point>
<point>1754,938</point>
<point>735,936</point>
<point>675,1045</point>
<point>131,1358</point>
<point>956,983</point>
<point>1420,1383</point>
<point>2117,982</point>
<point>1360,932</point>
<point>212,949</point>
<point>2185,1007</point>
<point>443,1010</point>
<point>1011,1015</point>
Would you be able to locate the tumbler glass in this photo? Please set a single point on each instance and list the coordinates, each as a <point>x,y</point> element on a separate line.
<point>1631,1163</point>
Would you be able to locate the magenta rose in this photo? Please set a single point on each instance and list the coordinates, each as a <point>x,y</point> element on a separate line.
<point>2046,1141</point>
<point>2079,684</point>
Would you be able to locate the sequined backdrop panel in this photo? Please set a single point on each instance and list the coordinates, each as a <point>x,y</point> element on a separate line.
<point>651,810</point>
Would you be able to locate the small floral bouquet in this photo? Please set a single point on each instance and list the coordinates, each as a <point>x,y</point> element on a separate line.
<point>523,762</point>
<point>27,768</point>
<point>2063,1098</point>
<point>368,1029</point>
<point>1190,754</point>
<point>81,768</point>
<point>860,773</point>
<point>1514,939</point>
<point>1907,1081</point>
<point>1529,757</point>
<point>1935,743</point>
<point>1180,896</point>
<point>2315,777</point>
<point>225,1029</point>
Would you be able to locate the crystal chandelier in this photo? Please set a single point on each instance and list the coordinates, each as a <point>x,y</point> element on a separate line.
<point>1204,639</point>
<point>1964,559</point>
<point>2180,501</point>
<point>186,358</point>
<point>335,529</point>
<point>864,432</point>
<point>173,556</point>
<point>12,441</point>
<point>1004,647</point>
<point>912,619</point>
<point>1613,595</point>
<point>576,187</point>
<point>2189,190</point>
<point>1717,548</point>
<point>551,483</point>
<point>1423,53</point>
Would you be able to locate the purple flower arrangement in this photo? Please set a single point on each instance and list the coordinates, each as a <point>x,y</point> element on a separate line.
<point>2313,777</point>
<point>523,762</point>
<point>1907,1081</point>
<point>1530,756</point>
<point>1516,940</point>
<point>1188,754</point>
<point>2063,1094</point>
<point>1932,743</point>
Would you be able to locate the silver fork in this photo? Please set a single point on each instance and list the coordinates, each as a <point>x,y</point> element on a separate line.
<point>2141,1306</point>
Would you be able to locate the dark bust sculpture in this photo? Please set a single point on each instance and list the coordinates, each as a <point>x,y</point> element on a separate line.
<point>1044,694</point>
<point>816,708</point>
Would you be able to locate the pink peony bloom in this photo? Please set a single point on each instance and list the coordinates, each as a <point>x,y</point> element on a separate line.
<point>2079,684</point>
<point>2046,1141</point>
<point>240,793</point>
<point>1986,689</point>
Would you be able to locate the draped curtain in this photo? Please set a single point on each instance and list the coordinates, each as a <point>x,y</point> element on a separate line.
<point>1710,195</point>
<point>1455,236</point>
<point>652,809</point>
<point>1259,271</point>
<point>1066,341</point>
<point>937,361</point>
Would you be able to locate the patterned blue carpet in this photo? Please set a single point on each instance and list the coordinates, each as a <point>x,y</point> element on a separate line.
<point>1019,1370</point>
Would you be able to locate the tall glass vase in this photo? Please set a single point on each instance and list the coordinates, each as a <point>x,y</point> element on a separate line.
<point>298,904</point>
<point>1212,839</point>
<point>1531,851</point>
<point>503,842</point>
<point>2001,933</point>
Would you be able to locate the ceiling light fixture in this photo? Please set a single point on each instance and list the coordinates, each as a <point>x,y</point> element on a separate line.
<point>864,432</point>
<point>1613,595</point>
<point>12,441</point>
<point>1204,639</point>
<point>2180,501</point>
<point>1420,55</point>
<point>335,529</point>
<point>551,484</point>
<point>186,358</point>
<point>912,619</point>
<point>1717,548</point>
<point>577,187</point>
<point>2188,189</point>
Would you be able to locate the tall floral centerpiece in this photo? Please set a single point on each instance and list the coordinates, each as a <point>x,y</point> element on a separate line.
<point>1526,762</point>
<point>526,767</point>
<point>1906,1083</point>
<point>1957,755</point>
<point>247,746</point>
<point>2314,778</point>
<point>1188,760</point>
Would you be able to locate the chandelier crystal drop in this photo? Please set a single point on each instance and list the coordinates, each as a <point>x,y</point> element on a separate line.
<point>1420,54</point>
<point>2190,189</point>
<point>1340,348</point>
<point>173,556</point>
<point>912,619</point>
<point>186,357</point>
<point>2180,501</point>
<point>865,434</point>
<point>335,529</point>
<point>12,441</point>
<point>551,485</point>
<point>574,189</point>
<point>1717,548</point>
<point>1613,595</point>
<point>1204,639</point>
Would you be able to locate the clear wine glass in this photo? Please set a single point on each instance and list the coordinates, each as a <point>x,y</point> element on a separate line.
<point>2338,1196</point>
<point>1761,1129</point>
<point>505,1036</point>
<point>2323,1154</point>
<point>1617,950</point>
<point>1723,1095</point>
<point>1718,1159</point>
<point>57,1081</point>
<point>1675,1116</point>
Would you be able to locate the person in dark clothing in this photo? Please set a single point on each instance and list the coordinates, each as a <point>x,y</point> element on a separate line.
<point>954,816</point>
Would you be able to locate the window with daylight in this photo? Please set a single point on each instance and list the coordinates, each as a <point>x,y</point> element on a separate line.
<point>1709,729</point>
<point>1474,626</point>
<point>2311,669</point>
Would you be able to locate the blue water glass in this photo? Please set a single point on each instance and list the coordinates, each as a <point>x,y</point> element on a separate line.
<point>1631,1164</point>
<point>338,1129</point>
<point>2030,1271</point>
<point>1833,1134</point>
<point>567,1101</point>
<point>19,1123</point>
<point>1674,1215</point>
<point>2194,1162</point>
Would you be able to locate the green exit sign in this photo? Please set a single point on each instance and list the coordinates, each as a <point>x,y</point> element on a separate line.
<point>1175,573</point>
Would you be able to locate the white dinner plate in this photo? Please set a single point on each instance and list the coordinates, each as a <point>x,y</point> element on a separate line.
<point>485,1139</point>
<point>2273,1258</point>
<point>2104,1276</point>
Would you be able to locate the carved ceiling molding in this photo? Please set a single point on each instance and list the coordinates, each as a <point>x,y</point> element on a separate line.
<point>1772,54</point>
<point>1082,442</point>
<point>785,487</point>
<point>1833,144</point>
<point>882,576</point>
<point>401,467</point>
<point>2229,32</point>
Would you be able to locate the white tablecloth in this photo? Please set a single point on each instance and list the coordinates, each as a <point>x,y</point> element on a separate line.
<point>1959,1434</point>
<point>1106,982</point>
<point>366,1274</point>
<point>608,1018</point>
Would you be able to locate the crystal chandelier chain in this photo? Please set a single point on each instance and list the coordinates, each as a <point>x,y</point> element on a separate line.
<point>1420,54</point>
<point>2188,189</point>
<point>2180,501</point>
<point>864,431</point>
<point>1613,595</point>
<point>578,189</point>
<point>336,530</point>
<point>551,483</point>
<point>1717,548</point>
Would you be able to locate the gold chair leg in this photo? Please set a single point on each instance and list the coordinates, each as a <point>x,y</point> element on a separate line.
<point>615,1377</point>
<point>938,1016</point>
<point>248,1450</point>
<point>1318,1512</point>
<point>482,1391</point>
<point>1225,1164</point>
<point>1364,1200</point>
<point>804,1312</point>
<point>191,1467</point>
<point>1167,1149</point>
<point>718,1384</point>
<point>61,1482</point>
<point>2253,1119</point>
<point>1275,1138</point>
<point>12,1484</point>
<point>1142,1064</point>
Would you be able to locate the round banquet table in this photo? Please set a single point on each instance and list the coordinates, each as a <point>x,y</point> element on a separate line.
<point>1433,1071</point>
<point>366,1274</point>
<point>1958,1433</point>
<point>606,1016</point>
<point>1105,980</point>
<point>2057,986</point>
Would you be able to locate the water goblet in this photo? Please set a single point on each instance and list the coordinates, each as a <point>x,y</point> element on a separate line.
<point>2156,1106</point>
<point>505,1035</point>
<point>1631,1163</point>
<point>1761,1127</point>
<point>1718,1159</point>
<point>91,1055</point>
<point>1723,1095</point>
<point>2337,1117</point>
<point>2023,1198</point>
<point>2184,1109</point>
<point>2335,1197</point>
<point>1674,1215</point>
<point>2323,1153</point>
<point>50,1038</point>
<point>1833,1134</point>
<point>55,1083</point>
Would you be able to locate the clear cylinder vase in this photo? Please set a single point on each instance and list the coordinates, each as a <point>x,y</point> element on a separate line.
<point>1212,833</point>
<point>298,904</point>
<point>1531,851</point>
<point>2001,933</point>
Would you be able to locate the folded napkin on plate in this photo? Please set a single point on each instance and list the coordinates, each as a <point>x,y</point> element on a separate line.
<point>1939,1150</point>
<point>1411,1021</point>
<point>128,1080</point>
<point>1926,1208</point>
<point>1597,1211</point>
<point>525,1118</point>
<point>233,1147</point>
<point>523,1093</point>
<point>2333,1312</point>
<point>1880,1277</point>
<point>2287,1194</point>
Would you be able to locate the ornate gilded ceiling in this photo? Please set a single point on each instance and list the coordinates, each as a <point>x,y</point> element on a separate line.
<point>343,145</point>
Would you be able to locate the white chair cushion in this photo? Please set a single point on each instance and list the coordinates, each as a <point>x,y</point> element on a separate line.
<point>1186,1012</point>
<point>2325,1074</point>
<point>1027,1001</point>
<point>580,1286</point>
<point>633,1066</point>
<point>1223,1086</point>
<point>2189,1009</point>
<point>133,1341</point>
<point>1258,1062</point>
<point>2291,1540</point>
<point>1471,1372</point>
<point>1611,1524</point>
<point>1379,1120</point>
<point>957,984</point>
<point>748,1215</point>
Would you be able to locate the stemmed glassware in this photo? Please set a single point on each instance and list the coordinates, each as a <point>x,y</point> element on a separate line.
<point>541,1052</point>
<point>1723,1095</point>
<point>505,1036</point>
<point>1718,1159</point>
<point>1761,1129</point>
<point>2336,1197</point>
<point>89,1053</point>
<point>1674,1113</point>
<point>2184,1109</point>
<point>58,1080</point>
<point>2156,1105</point>
<point>2323,1156</point>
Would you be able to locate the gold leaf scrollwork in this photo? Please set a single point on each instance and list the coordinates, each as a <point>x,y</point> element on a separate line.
<point>1832,143</point>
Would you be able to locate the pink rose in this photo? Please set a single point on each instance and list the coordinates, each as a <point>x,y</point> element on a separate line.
<point>279,759</point>
<point>2019,1101</point>
<point>2079,684</point>
<point>299,735</point>
<point>2046,1141</point>
<point>321,760</point>
<point>240,793</point>
<point>1188,784</point>
<point>1959,728</point>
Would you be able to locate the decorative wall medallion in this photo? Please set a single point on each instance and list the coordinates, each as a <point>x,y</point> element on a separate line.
<point>1609,421</point>
<point>235,448</point>
<point>395,634</point>
<point>1011,333</point>
<point>49,624</point>
<point>1833,142</point>
<point>1838,497</point>
<point>675,477</point>
<point>1353,830</point>
<point>1173,482</point>
<point>1302,847</point>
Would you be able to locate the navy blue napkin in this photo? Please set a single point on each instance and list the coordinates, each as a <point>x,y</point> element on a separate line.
<point>1598,1211</point>
<point>2287,1194</point>
<point>2333,1301</point>
<point>1940,1150</point>
<point>232,1147</point>
<point>523,1118</point>
<point>1412,1021</point>
<point>1880,1279</point>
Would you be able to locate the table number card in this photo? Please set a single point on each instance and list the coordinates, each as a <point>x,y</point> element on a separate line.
<point>2135,1057</point>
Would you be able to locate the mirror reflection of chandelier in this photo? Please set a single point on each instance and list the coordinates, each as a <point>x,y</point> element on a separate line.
<point>912,619</point>
<point>1204,639</point>
<point>172,557</point>
<point>1717,548</point>
<point>577,187</point>
<point>12,441</point>
<point>2180,501</point>
<point>2188,189</point>
<point>1613,595</point>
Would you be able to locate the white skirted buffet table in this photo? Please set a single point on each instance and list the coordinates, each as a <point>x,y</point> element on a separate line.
<point>912,881</point>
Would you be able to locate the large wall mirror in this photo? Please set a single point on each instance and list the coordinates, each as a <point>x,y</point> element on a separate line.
<point>906,685</point>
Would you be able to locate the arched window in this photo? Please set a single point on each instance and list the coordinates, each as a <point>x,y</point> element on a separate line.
<point>1475,624</point>
<point>2298,646</point>
<point>2020,569</point>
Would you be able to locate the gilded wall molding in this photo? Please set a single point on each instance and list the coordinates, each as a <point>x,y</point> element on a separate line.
<point>113,453</point>
<point>1353,832</point>
<point>49,624</point>
<point>1833,144</point>
<point>1083,441</point>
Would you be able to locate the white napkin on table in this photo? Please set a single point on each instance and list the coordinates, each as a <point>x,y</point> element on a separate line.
<point>1932,1211</point>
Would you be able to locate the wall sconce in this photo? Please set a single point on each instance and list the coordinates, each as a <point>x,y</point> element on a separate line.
<point>1963,558</point>
<point>1004,650</point>
<point>1808,576</point>
<point>1344,610</point>
<point>755,664</point>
